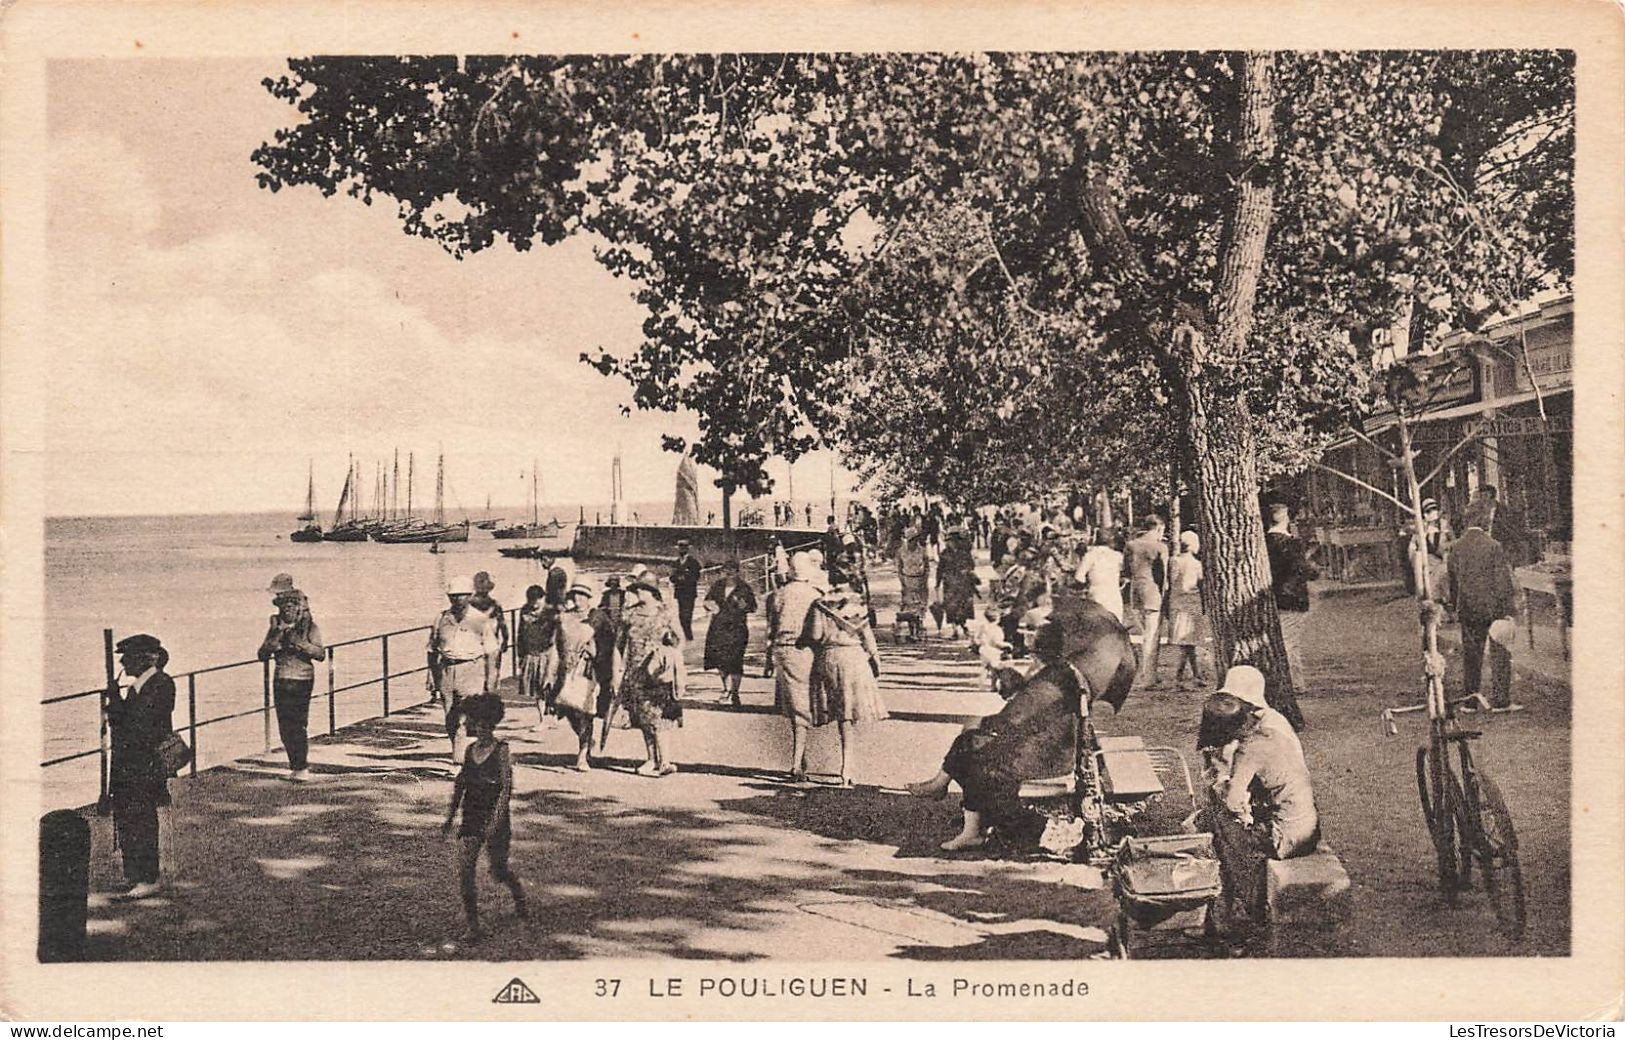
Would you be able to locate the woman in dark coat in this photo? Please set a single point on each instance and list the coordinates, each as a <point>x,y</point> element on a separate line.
<point>140,718</point>
<point>731,602</point>
<point>957,575</point>
<point>1086,653</point>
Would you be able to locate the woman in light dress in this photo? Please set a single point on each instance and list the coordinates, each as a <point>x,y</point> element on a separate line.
<point>1100,571</point>
<point>574,693</point>
<point>846,665</point>
<point>1185,606</point>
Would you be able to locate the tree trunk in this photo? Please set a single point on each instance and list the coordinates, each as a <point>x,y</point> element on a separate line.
<point>727,506</point>
<point>1196,350</point>
<point>1220,432</point>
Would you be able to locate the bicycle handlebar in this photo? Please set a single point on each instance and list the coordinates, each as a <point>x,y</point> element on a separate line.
<point>1390,714</point>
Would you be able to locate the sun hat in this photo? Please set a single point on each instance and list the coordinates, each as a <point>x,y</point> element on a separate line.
<point>280,584</point>
<point>460,586</point>
<point>1191,541</point>
<point>643,586</point>
<point>804,566</point>
<point>1245,683</point>
<point>581,588</point>
<point>1504,631</point>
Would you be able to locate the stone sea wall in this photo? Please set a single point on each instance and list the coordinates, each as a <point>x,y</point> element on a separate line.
<point>650,543</point>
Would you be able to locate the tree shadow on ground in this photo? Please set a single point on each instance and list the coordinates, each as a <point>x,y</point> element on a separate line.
<point>354,868</point>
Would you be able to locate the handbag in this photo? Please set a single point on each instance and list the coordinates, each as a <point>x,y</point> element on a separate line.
<point>174,754</point>
<point>578,687</point>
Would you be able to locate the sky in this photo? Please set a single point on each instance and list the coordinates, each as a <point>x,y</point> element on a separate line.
<point>224,337</point>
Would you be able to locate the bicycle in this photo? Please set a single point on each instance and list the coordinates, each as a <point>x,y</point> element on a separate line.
<point>1463,808</point>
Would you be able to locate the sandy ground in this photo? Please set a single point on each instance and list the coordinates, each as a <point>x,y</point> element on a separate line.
<point>725,860</point>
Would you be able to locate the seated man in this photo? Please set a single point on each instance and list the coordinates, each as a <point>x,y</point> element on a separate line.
<point>1085,654</point>
<point>1263,806</point>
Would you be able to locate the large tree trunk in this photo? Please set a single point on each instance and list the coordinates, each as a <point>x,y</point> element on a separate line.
<point>1219,426</point>
<point>1194,348</point>
<point>727,507</point>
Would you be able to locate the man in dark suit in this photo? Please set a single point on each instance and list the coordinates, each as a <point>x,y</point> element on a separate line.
<point>685,583</point>
<point>1481,588</point>
<point>1508,527</point>
<point>1290,575</point>
<point>138,711</point>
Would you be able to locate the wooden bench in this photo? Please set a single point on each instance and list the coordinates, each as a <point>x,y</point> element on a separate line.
<point>1126,774</point>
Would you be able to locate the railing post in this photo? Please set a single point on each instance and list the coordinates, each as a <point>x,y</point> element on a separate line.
<point>332,709</point>
<point>265,716</point>
<point>513,639</point>
<point>386,675</point>
<point>103,795</point>
<point>191,719</point>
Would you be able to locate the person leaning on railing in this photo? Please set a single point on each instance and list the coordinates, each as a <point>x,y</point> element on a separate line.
<point>139,713</point>
<point>293,642</point>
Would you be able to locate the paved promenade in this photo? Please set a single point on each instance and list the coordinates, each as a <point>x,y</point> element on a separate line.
<point>725,860</point>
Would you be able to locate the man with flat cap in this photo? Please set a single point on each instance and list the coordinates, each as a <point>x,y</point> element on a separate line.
<point>685,585</point>
<point>139,713</point>
<point>462,652</point>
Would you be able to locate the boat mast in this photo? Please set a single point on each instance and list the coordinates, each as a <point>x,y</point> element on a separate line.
<point>395,488</point>
<point>535,496</point>
<point>310,493</point>
<point>344,496</point>
<point>440,491</point>
<point>411,466</point>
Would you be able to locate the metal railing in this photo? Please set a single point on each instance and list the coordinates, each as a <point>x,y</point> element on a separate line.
<point>756,571</point>
<point>385,678</point>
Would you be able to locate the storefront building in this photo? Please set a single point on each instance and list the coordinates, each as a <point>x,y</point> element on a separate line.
<point>1498,411</point>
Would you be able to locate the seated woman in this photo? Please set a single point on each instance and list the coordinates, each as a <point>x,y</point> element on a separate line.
<point>1084,652</point>
<point>1264,806</point>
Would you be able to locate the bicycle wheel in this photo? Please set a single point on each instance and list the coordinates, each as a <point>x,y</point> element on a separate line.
<point>1438,811</point>
<point>1495,844</point>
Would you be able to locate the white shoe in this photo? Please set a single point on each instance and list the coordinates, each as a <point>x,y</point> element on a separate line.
<point>300,776</point>
<point>961,842</point>
<point>145,890</point>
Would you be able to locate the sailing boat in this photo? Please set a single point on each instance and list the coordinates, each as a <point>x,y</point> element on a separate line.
<point>534,529</point>
<point>351,529</point>
<point>310,530</point>
<point>418,533</point>
<point>490,522</point>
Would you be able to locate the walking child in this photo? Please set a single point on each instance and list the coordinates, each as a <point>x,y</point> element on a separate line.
<point>483,789</point>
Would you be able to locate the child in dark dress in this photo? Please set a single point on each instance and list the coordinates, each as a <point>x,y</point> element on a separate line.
<point>483,789</point>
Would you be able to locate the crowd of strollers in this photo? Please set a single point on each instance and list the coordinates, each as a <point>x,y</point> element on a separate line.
<point>1055,633</point>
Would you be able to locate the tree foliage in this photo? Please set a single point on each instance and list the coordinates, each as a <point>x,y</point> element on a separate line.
<point>732,190</point>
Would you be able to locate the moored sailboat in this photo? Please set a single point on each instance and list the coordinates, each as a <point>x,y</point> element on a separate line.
<point>347,529</point>
<point>417,532</point>
<point>534,529</point>
<point>310,530</point>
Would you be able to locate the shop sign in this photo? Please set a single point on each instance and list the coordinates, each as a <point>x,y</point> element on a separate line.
<point>1552,362</point>
<point>1525,426</point>
<point>1449,380</point>
<point>1502,426</point>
